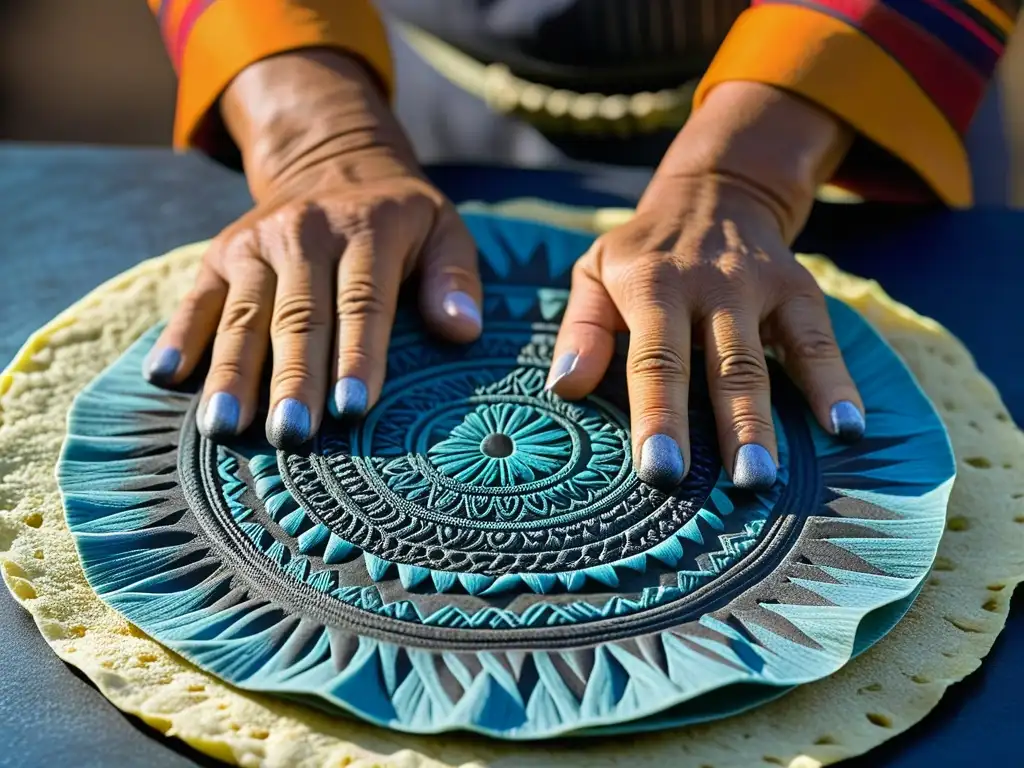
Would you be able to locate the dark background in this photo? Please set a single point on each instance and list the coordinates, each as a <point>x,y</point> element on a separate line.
<point>95,71</point>
<point>83,71</point>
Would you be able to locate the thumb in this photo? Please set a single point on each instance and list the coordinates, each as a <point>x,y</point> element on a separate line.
<point>450,291</point>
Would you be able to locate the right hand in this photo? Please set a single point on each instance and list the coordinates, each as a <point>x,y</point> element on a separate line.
<point>706,261</point>
<point>312,273</point>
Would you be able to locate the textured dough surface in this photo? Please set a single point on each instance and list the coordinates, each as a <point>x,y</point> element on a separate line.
<point>943,638</point>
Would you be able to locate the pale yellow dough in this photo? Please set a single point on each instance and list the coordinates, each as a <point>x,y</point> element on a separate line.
<point>949,629</point>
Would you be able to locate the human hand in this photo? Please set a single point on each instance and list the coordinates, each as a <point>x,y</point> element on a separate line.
<point>706,258</point>
<point>343,215</point>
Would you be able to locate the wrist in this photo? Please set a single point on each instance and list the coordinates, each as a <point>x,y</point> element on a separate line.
<point>778,146</point>
<point>301,107</point>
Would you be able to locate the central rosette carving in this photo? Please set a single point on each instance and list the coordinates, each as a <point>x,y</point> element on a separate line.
<point>503,445</point>
<point>468,465</point>
<point>510,461</point>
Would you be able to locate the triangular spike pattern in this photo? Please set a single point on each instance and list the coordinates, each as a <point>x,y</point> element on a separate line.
<point>412,575</point>
<point>443,580</point>
<point>377,567</point>
<point>292,522</point>
<point>313,541</point>
<point>541,583</point>
<point>475,583</point>
<point>338,550</point>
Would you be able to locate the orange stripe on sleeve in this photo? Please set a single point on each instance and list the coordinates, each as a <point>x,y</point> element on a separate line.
<point>994,13</point>
<point>836,66</point>
<point>225,36</point>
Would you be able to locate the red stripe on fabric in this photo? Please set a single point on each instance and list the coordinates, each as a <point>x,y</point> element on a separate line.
<point>168,29</point>
<point>163,18</point>
<point>191,15</point>
<point>952,84</point>
<point>967,23</point>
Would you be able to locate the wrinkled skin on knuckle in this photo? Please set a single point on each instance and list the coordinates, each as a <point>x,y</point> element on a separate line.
<point>655,417</point>
<point>240,316</point>
<point>815,344</point>
<point>658,361</point>
<point>291,375</point>
<point>811,337</point>
<point>392,225</point>
<point>354,216</point>
<point>748,423</point>
<point>359,297</point>
<point>227,372</point>
<point>298,315</point>
<point>740,369</point>
<point>352,219</point>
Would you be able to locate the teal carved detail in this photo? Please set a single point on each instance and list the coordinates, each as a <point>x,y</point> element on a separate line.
<point>502,445</point>
<point>425,441</point>
<point>736,529</point>
<point>419,572</point>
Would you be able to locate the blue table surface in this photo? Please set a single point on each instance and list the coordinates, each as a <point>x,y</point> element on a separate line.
<point>72,217</point>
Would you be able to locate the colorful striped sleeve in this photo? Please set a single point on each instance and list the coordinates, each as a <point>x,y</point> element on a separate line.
<point>908,75</point>
<point>211,41</point>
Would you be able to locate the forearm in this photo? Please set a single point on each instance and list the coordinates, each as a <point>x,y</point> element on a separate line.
<point>780,146</point>
<point>907,77</point>
<point>211,41</point>
<point>289,111</point>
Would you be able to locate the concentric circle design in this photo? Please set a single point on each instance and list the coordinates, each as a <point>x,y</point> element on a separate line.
<point>479,554</point>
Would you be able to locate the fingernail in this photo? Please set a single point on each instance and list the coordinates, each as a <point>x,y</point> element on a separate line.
<point>562,367</point>
<point>349,399</point>
<point>288,426</point>
<point>754,469</point>
<point>459,305</point>
<point>219,415</point>
<point>161,364</point>
<point>847,421</point>
<point>661,462</point>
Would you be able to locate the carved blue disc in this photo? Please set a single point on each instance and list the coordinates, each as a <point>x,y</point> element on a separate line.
<point>479,554</point>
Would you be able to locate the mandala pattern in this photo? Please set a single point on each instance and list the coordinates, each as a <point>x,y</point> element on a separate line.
<point>485,443</point>
<point>478,554</point>
<point>507,445</point>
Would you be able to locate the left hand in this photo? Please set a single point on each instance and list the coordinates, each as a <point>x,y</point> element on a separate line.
<point>310,277</point>
<point>707,256</point>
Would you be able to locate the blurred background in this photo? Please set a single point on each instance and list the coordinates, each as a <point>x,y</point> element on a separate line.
<point>83,71</point>
<point>95,71</point>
